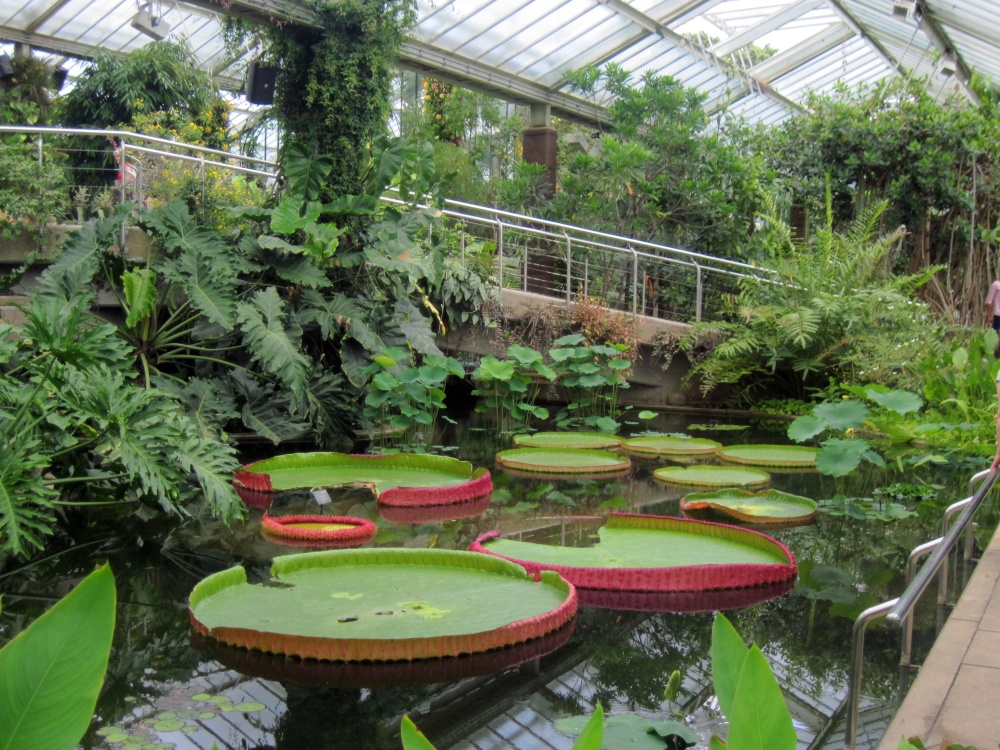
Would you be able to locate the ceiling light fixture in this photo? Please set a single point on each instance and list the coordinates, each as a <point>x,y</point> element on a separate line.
<point>151,25</point>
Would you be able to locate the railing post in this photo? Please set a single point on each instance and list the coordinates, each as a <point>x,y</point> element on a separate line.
<point>635,278</point>
<point>463,244</point>
<point>40,164</point>
<point>699,294</point>
<point>201,171</point>
<point>500,253</point>
<point>907,623</point>
<point>854,675</point>
<point>586,276</point>
<point>569,265</point>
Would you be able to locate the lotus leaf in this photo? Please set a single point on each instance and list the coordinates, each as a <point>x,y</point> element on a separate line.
<point>669,446</point>
<point>382,605</point>
<point>712,476</point>
<point>397,479</point>
<point>560,461</point>
<point>567,440</point>
<point>656,553</point>
<point>766,506</point>
<point>770,455</point>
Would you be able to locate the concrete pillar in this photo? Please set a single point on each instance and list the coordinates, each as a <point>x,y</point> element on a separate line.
<point>539,146</point>
<point>22,51</point>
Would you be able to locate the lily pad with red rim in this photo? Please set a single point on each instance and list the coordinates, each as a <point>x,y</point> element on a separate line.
<point>340,529</point>
<point>669,446</point>
<point>703,475</point>
<point>396,479</point>
<point>563,461</point>
<point>798,456</point>
<point>382,605</point>
<point>572,440</point>
<point>656,553</point>
<point>765,507</point>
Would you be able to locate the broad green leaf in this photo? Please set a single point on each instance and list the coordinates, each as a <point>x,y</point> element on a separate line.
<point>416,326</point>
<point>490,368</point>
<point>352,204</point>
<point>413,738</point>
<point>647,414</point>
<point>273,340</point>
<point>901,402</point>
<point>270,242</point>
<point>607,424</point>
<point>842,415</point>
<point>211,288</point>
<point>839,457</point>
<point>714,743</point>
<point>524,355</point>
<point>293,214</point>
<point>760,719</point>
<point>728,654</point>
<point>592,736</point>
<point>51,673</point>
<point>305,171</point>
<point>140,295</point>
<point>805,427</point>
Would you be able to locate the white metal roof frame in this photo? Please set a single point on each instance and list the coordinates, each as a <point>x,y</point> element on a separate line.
<point>519,50</point>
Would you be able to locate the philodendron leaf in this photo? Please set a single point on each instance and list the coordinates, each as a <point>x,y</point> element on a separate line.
<point>760,719</point>
<point>901,402</point>
<point>838,456</point>
<point>51,673</point>
<point>805,427</point>
<point>728,654</point>
<point>413,738</point>
<point>842,415</point>
<point>140,295</point>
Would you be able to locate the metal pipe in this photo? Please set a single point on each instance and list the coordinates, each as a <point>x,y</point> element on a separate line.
<point>569,266</point>
<point>909,597</point>
<point>907,623</point>
<point>854,677</point>
<point>200,160</point>
<point>699,293</point>
<point>635,276</point>
<point>500,253</point>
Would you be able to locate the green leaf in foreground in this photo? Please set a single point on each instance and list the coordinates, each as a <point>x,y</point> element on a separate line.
<point>728,654</point>
<point>838,457</point>
<point>805,427</point>
<point>413,738</point>
<point>760,719</point>
<point>629,731</point>
<point>51,673</point>
<point>842,415</point>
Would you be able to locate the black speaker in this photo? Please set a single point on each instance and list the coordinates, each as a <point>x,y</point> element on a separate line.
<point>260,83</point>
<point>6,67</point>
<point>59,78</point>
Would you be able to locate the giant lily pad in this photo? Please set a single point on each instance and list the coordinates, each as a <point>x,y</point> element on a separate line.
<point>342,529</point>
<point>355,675</point>
<point>669,446</point>
<point>560,461</point>
<point>770,455</point>
<point>766,506</point>
<point>712,600</point>
<point>656,553</point>
<point>567,440</point>
<point>712,476</point>
<point>382,605</point>
<point>398,479</point>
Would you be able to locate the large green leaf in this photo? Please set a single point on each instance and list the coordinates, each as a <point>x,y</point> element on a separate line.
<point>26,514</point>
<point>592,736</point>
<point>292,214</point>
<point>413,738</point>
<point>211,288</point>
<point>273,338</point>
<point>842,415</point>
<point>805,427</point>
<point>838,456</point>
<point>759,719</point>
<point>140,295</point>
<point>901,402</point>
<point>416,326</point>
<point>305,171</point>
<point>51,673</point>
<point>728,654</point>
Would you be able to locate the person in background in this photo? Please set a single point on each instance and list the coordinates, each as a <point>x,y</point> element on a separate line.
<point>996,458</point>
<point>993,304</point>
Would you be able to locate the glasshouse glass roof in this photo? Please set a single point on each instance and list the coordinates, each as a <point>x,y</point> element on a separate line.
<point>756,58</point>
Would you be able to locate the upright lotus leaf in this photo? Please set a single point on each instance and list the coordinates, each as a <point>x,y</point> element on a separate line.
<point>805,427</point>
<point>52,672</point>
<point>901,402</point>
<point>839,456</point>
<point>413,738</point>
<point>759,719</point>
<point>842,415</point>
<point>728,654</point>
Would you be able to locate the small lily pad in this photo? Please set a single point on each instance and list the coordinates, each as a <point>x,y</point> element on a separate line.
<point>766,506</point>
<point>578,440</point>
<point>169,725</point>
<point>249,707</point>
<point>207,715</point>
<point>770,455</point>
<point>665,445</point>
<point>633,731</point>
<point>201,697</point>
<point>712,476</point>
<point>115,738</point>
<point>166,715</point>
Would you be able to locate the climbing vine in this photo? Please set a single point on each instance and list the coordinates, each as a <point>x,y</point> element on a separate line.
<point>334,84</point>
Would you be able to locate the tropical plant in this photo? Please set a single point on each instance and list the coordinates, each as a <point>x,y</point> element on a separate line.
<point>592,377</point>
<point>52,672</point>
<point>508,388</point>
<point>833,309</point>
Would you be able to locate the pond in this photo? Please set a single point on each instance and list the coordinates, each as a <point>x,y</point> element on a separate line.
<point>166,688</point>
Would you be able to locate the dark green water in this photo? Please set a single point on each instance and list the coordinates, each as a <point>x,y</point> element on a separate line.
<point>165,689</point>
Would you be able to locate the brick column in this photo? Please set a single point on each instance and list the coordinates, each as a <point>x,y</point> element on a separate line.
<point>539,146</point>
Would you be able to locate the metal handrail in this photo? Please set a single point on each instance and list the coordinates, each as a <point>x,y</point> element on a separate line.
<point>900,609</point>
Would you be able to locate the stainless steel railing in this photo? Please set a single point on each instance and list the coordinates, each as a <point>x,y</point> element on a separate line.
<point>900,610</point>
<point>530,254</point>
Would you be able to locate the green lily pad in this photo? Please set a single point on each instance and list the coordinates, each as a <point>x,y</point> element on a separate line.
<point>249,707</point>
<point>770,455</point>
<point>418,603</point>
<point>563,461</point>
<point>396,479</point>
<point>169,725</point>
<point>712,476</point>
<point>655,553</point>
<point>718,427</point>
<point>632,731</point>
<point>669,446</point>
<point>567,440</point>
<point>766,506</point>
<point>200,697</point>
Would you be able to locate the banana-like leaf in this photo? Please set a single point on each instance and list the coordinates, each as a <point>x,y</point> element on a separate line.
<point>413,738</point>
<point>728,654</point>
<point>51,673</point>
<point>759,719</point>
<point>273,338</point>
<point>141,295</point>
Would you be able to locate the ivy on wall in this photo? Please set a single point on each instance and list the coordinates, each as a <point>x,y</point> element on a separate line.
<point>334,84</point>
